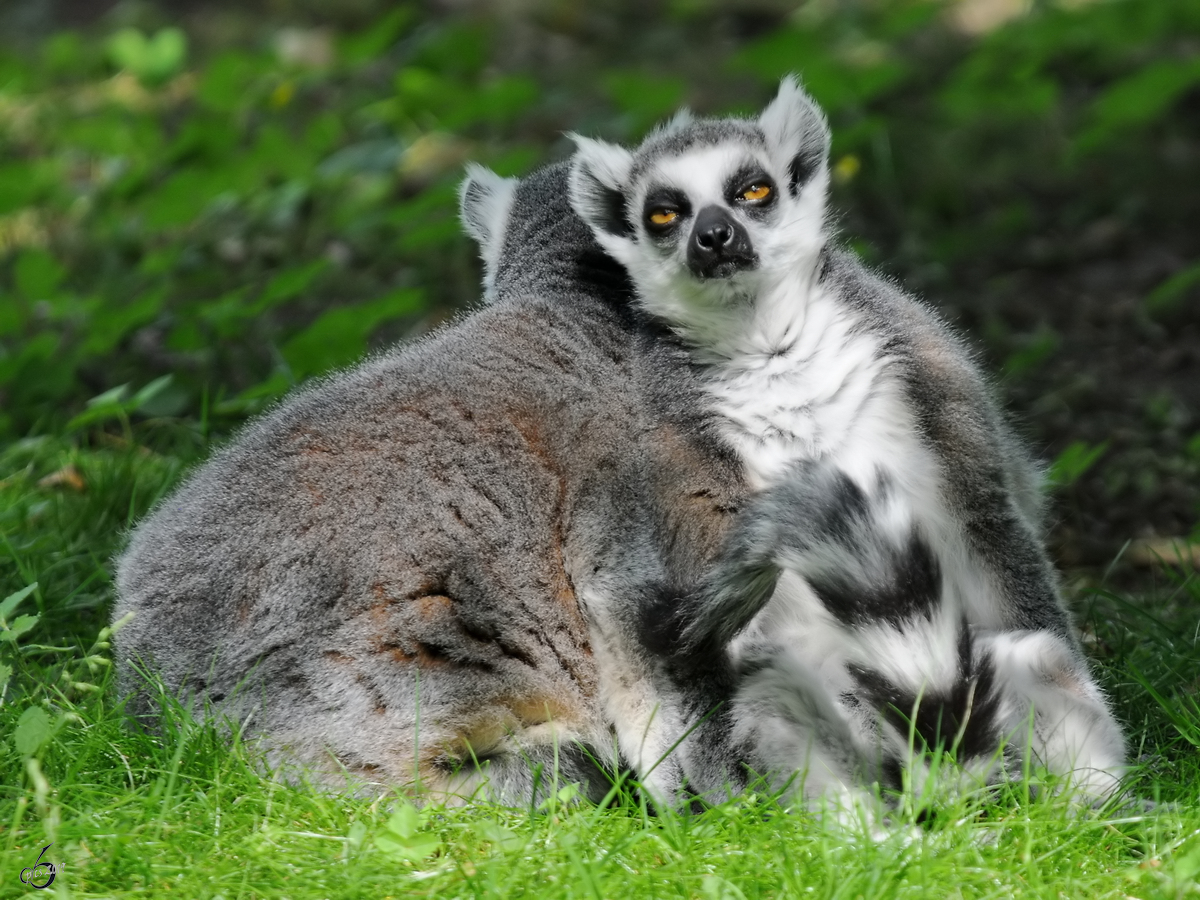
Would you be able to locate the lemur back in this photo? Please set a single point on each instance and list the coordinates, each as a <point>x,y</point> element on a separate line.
<point>429,568</point>
<point>930,601</point>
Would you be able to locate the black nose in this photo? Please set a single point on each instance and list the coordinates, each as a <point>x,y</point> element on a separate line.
<point>715,237</point>
<point>713,230</point>
<point>719,245</point>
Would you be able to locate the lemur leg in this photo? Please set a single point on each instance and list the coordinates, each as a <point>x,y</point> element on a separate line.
<point>1040,663</point>
<point>896,655</point>
<point>1053,710</point>
<point>1027,634</point>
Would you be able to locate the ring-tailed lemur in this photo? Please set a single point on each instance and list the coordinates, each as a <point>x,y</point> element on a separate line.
<point>435,566</point>
<point>938,610</point>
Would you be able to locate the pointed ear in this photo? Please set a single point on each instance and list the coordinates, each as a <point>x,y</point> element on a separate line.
<point>796,132</point>
<point>599,172</point>
<point>484,202</point>
<point>484,199</point>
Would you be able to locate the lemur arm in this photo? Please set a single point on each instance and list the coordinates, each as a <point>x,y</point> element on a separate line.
<point>990,483</point>
<point>814,521</point>
<point>985,475</point>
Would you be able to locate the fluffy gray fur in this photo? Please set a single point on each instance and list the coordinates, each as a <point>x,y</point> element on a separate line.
<point>904,516</point>
<point>438,568</point>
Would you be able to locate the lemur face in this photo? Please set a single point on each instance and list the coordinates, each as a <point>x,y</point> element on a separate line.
<point>706,212</point>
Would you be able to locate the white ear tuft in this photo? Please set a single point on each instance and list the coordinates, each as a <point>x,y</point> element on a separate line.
<point>796,132</point>
<point>484,201</point>
<point>599,171</point>
<point>677,122</point>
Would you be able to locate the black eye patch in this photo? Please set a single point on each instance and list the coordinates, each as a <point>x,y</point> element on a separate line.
<point>751,189</point>
<point>663,209</point>
<point>801,169</point>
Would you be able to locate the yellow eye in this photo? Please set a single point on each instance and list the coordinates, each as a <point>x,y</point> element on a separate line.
<point>756,192</point>
<point>663,216</point>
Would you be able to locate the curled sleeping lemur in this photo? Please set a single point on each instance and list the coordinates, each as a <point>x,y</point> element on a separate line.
<point>916,601</point>
<point>434,568</point>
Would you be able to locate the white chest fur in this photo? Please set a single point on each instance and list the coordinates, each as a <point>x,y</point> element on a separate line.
<point>806,382</point>
<point>809,381</point>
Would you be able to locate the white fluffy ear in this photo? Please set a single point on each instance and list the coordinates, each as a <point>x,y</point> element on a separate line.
<point>796,132</point>
<point>599,172</point>
<point>484,201</point>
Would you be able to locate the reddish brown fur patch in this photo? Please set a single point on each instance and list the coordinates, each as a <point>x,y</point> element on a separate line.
<point>422,656</point>
<point>310,442</point>
<point>434,607</point>
<point>389,634</point>
<point>699,505</point>
<point>538,709</point>
<point>530,429</point>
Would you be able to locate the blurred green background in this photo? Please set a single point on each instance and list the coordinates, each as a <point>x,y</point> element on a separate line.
<point>204,203</point>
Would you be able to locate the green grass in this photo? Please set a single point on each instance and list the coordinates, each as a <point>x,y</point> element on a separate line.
<point>187,813</point>
<point>188,816</point>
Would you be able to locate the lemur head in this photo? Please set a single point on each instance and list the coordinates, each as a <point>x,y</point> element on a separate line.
<point>533,244</point>
<point>707,212</point>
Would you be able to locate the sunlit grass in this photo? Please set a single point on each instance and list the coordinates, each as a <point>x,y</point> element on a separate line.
<point>188,813</point>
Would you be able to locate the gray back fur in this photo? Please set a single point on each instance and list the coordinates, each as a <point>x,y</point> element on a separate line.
<point>428,568</point>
